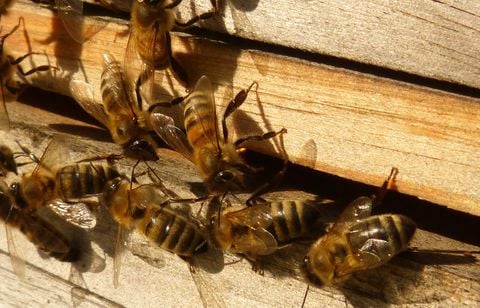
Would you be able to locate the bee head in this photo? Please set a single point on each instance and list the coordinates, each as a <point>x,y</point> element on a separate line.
<point>141,148</point>
<point>227,180</point>
<point>317,266</point>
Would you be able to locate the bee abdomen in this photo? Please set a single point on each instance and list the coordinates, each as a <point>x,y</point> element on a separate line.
<point>292,220</point>
<point>83,180</point>
<point>199,119</point>
<point>173,232</point>
<point>47,238</point>
<point>396,230</point>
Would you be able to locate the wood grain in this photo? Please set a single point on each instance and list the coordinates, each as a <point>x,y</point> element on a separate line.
<point>352,125</point>
<point>150,277</point>
<point>434,39</point>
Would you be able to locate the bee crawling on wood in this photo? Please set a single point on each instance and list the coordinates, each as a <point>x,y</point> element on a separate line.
<point>267,226</point>
<point>142,209</point>
<point>8,67</point>
<point>149,44</point>
<point>67,189</point>
<point>42,234</point>
<point>358,241</point>
<point>218,160</point>
<point>121,112</point>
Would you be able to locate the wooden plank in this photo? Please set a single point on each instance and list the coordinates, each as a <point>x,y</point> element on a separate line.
<point>415,278</point>
<point>434,39</point>
<point>353,125</point>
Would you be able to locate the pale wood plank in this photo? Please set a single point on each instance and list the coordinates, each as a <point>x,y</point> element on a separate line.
<point>435,39</point>
<point>341,122</point>
<point>419,279</point>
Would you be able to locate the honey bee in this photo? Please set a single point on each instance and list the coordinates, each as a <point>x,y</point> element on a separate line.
<point>265,227</point>
<point>128,124</point>
<point>67,189</point>
<point>141,209</point>
<point>149,44</point>
<point>218,160</point>
<point>38,231</point>
<point>8,67</point>
<point>357,242</point>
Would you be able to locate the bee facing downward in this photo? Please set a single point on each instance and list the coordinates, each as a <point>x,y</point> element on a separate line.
<point>217,159</point>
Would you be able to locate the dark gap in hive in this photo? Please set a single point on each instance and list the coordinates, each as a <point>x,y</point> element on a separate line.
<point>428,216</point>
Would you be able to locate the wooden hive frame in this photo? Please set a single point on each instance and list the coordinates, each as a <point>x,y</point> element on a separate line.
<point>352,124</point>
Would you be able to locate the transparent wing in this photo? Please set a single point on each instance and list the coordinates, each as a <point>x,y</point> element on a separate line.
<point>75,213</point>
<point>172,135</point>
<point>136,67</point>
<point>257,216</point>
<point>83,94</point>
<point>71,14</point>
<point>57,151</point>
<point>256,242</point>
<point>208,292</point>
<point>119,88</point>
<point>201,103</point>
<point>120,244</point>
<point>358,209</point>
<point>17,260</point>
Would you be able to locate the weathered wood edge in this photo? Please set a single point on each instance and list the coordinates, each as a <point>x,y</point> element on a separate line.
<point>434,39</point>
<point>352,125</point>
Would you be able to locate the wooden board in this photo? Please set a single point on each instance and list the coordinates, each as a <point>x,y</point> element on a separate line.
<point>434,39</point>
<point>424,278</point>
<point>352,125</point>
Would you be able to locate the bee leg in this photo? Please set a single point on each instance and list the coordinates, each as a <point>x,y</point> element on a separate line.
<point>173,102</point>
<point>175,66</point>
<point>236,102</point>
<point>388,184</point>
<point>277,178</point>
<point>194,20</point>
<point>191,264</point>
<point>257,265</point>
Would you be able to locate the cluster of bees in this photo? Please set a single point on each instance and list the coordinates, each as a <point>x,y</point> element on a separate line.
<point>356,241</point>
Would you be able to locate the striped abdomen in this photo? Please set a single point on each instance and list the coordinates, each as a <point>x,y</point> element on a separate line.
<point>42,234</point>
<point>172,231</point>
<point>396,230</point>
<point>83,180</point>
<point>200,119</point>
<point>293,219</point>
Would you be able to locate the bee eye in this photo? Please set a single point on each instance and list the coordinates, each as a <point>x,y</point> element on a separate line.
<point>224,176</point>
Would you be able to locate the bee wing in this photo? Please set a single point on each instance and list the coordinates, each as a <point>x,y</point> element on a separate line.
<point>203,91</point>
<point>256,242</point>
<point>118,85</point>
<point>18,263</point>
<point>257,216</point>
<point>136,67</point>
<point>121,242</point>
<point>172,135</point>
<point>208,292</point>
<point>56,152</point>
<point>373,253</point>
<point>75,213</point>
<point>71,14</point>
<point>4,119</point>
<point>358,209</point>
<point>83,94</point>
